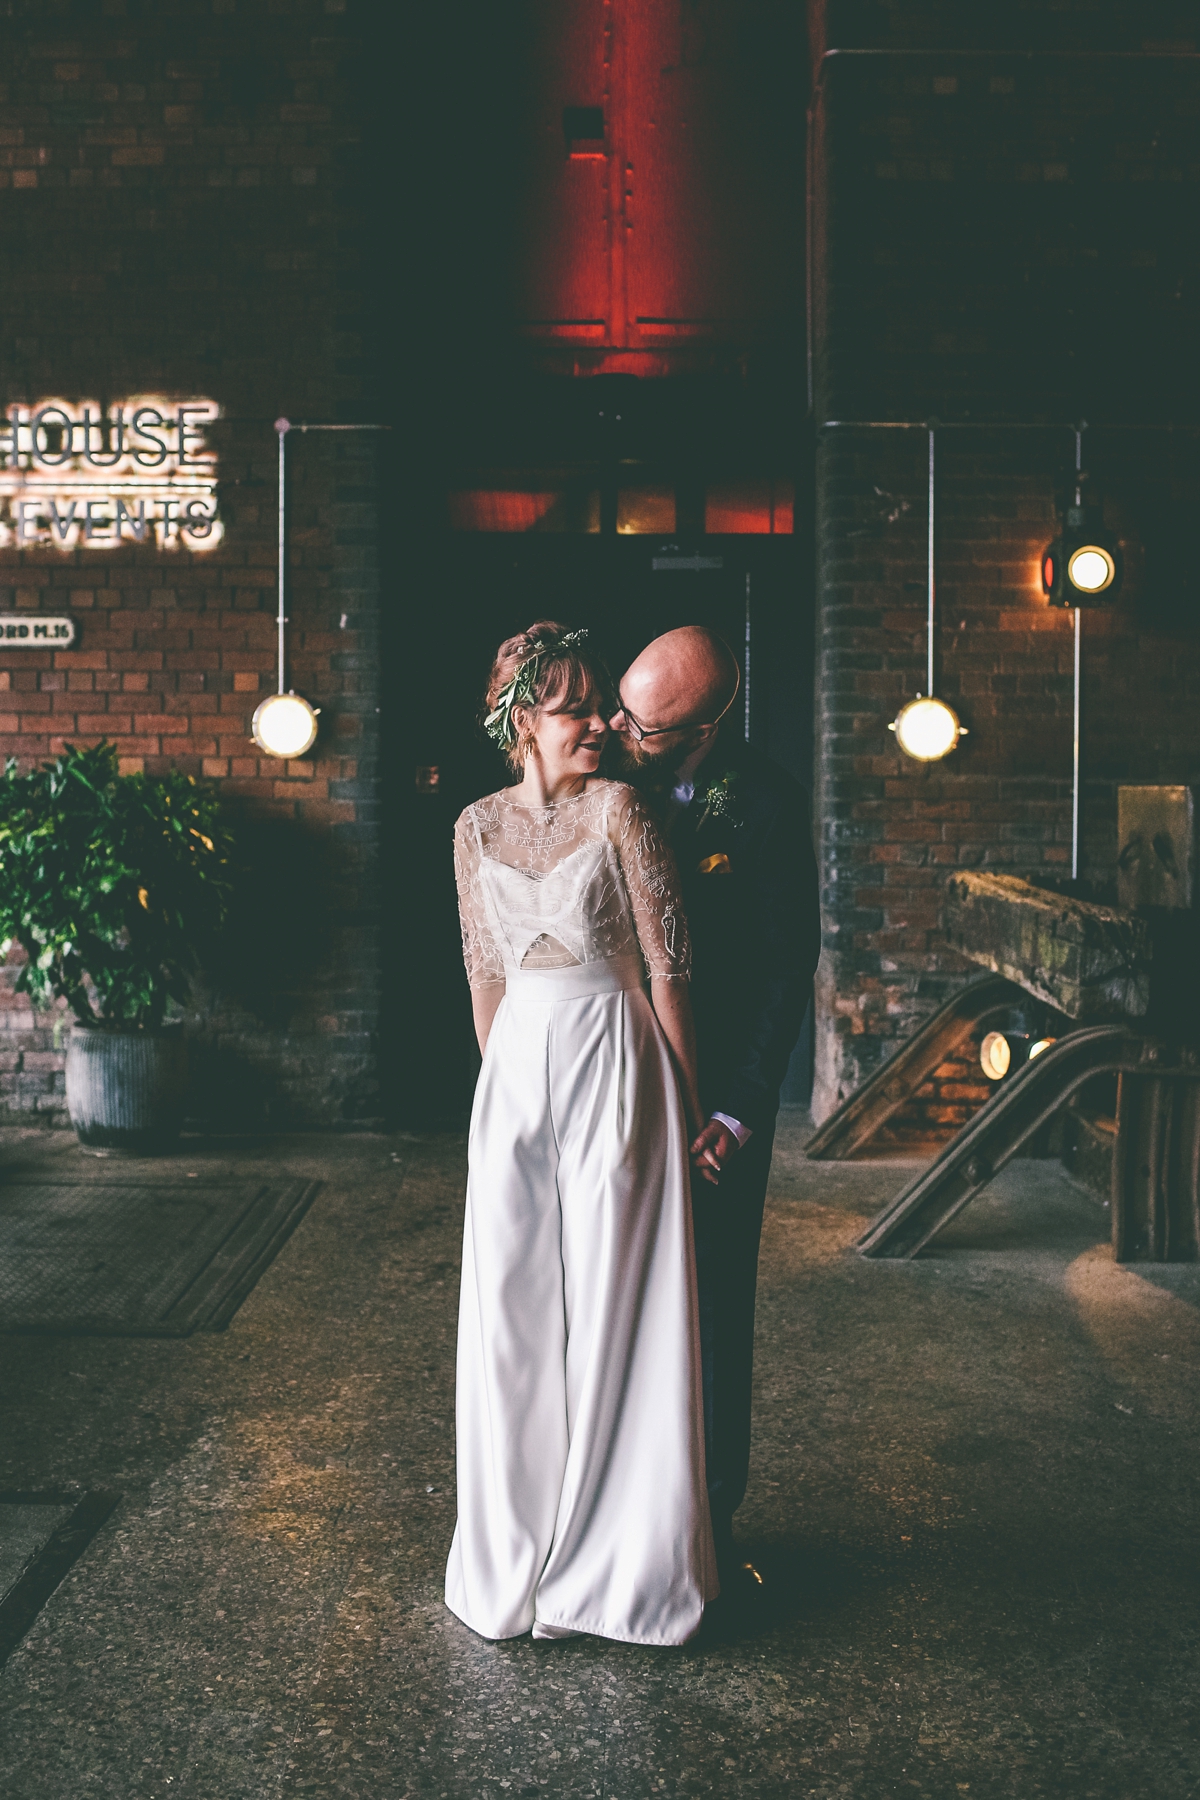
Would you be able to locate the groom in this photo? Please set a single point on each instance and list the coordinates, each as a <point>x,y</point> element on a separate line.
<point>738,825</point>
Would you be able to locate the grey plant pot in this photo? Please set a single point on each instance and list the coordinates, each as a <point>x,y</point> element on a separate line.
<point>126,1089</point>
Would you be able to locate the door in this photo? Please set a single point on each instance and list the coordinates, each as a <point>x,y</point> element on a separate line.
<point>481,588</point>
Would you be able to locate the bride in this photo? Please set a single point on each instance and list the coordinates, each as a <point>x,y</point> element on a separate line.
<point>581,1492</point>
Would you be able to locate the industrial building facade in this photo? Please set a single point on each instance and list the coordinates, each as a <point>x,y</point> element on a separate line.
<point>714,270</point>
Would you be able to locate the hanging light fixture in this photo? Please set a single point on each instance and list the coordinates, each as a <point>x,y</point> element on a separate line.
<point>284,725</point>
<point>1083,566</point>
<point>926,728</point>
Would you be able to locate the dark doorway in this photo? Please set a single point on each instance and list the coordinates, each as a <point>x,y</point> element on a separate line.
<point>482,587</point>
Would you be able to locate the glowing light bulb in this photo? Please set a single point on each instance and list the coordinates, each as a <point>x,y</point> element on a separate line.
<point>284,725</point>
<point>995,1056</point>
<point>1042,1044</point>
<point>927,729</point>
<point>1090,569</point>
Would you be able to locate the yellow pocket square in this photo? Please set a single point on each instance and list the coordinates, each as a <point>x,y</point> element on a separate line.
<point>717,864</point>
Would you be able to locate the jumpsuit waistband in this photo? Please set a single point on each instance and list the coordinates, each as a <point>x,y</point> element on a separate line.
<point>612,976</point>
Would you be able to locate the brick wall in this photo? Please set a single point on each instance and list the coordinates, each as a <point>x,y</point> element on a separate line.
<point>945,1101</point>
<point>182,199</point>
<point>997,239</point>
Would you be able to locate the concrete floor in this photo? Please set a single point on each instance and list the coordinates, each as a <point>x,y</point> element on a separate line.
<point>973,1498</point>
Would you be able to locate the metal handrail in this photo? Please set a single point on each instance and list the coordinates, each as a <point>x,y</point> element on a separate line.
<point>1026,1103</point>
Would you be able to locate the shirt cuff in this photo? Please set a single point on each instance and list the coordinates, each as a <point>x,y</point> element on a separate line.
<point>741,1132</point>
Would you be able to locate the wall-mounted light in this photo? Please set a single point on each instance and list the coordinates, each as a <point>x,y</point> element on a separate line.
<point>1083,566</point>
<point>1080,568</point>
<point>927,729</point>
<point>1021,1037</point>
<point>1091,569</point>
<point>284,725</point>
<point>995,1055</point>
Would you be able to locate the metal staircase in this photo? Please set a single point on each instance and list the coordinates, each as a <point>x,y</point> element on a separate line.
<point>887,1090</point>
<point>1156,1185</point>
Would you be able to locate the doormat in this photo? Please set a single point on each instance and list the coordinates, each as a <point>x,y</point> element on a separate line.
<point>125,1257</point>
<point>41,1535</point>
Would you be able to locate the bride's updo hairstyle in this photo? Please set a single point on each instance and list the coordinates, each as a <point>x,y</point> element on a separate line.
<point>566,673</point>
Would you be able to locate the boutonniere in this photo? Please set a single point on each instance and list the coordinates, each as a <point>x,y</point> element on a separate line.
<point>719,801</point>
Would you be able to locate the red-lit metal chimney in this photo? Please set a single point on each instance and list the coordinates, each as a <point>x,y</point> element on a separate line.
<point>661,216</point>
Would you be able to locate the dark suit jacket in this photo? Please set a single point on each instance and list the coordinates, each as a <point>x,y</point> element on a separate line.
<point>755,927</point>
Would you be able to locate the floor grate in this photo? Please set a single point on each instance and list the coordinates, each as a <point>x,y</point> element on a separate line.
<point>137,1257</point>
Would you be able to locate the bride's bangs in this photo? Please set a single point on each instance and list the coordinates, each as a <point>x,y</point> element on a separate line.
<point>572,680</point>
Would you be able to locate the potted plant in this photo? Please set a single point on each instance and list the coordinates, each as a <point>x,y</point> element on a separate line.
<point>112,885</point>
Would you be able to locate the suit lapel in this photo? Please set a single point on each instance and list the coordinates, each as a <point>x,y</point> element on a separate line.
<point>685,821</point>
<point>691,823</point>
<point>706,776</point>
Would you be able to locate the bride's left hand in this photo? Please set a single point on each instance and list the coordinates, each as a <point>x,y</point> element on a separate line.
<point>711,1150</point>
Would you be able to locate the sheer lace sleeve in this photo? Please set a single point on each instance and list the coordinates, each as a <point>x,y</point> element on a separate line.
<point>652,882</point>
<point>484,965</point>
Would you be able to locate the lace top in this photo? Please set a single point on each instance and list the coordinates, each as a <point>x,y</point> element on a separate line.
<point>579,881</point>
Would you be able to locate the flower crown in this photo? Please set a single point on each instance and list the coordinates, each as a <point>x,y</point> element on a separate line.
<point>519,691</point>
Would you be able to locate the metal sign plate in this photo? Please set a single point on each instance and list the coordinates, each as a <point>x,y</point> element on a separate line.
<point>1156,831</point>
<point>36,631</point>
<point>694,563</point>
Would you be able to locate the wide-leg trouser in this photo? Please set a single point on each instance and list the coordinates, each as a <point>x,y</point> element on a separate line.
<point>581,1487</point>
<point>728,1222</point>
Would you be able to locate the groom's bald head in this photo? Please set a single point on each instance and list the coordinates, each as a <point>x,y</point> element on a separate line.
<point>685,678</point>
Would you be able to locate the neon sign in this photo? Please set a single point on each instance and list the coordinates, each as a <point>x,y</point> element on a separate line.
<point>73,475</point>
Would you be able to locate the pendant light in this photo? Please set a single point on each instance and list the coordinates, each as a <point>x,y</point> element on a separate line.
<point>1082,567</point>
<point>927,729</point>
<point>284,724</point>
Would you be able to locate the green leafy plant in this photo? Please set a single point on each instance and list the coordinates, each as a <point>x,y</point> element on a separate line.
<point>112,884</point>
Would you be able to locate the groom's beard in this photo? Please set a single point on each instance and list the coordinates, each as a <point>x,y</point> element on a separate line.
<point>650,774</point>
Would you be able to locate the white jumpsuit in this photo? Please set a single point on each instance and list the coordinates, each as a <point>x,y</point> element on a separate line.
<point>581,1492</point>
